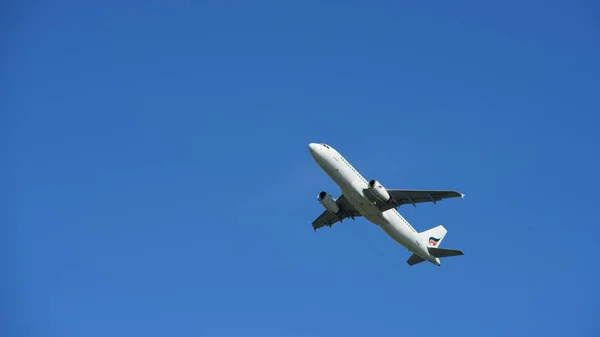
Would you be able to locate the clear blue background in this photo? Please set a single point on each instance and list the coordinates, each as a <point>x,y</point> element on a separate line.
<point>159,181</point>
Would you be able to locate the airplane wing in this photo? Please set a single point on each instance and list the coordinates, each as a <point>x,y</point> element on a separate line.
<point>414,197</point>
<point>328,219</point>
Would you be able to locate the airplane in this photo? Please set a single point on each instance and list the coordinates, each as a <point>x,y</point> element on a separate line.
<point>377,204</point>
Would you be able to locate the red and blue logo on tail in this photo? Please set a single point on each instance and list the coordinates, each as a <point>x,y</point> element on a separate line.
<point>434,241</point>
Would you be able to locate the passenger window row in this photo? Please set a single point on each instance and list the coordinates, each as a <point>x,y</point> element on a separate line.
<point>403,220</point>
<point>395,211</point>
<point>352,168</point>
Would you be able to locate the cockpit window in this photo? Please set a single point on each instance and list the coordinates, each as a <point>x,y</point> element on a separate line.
<point>327,146</point>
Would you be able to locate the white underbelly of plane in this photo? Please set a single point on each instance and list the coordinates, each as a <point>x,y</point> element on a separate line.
<point>362,204</point>
<point>395,233</point>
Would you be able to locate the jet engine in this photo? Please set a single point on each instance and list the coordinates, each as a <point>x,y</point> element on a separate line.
<point>328,202</point>
<point>378,190</point>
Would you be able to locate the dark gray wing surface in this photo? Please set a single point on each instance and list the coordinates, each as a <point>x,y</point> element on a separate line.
<point>402,197</point>
<point>328,218</point>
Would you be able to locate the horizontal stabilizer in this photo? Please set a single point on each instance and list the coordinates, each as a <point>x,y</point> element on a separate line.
<point>414,259</point>
<point>443,252</point>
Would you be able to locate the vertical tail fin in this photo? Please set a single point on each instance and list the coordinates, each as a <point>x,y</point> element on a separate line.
<point>434,236</point>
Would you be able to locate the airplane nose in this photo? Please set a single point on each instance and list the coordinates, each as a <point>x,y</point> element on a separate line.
<point>312,147</point>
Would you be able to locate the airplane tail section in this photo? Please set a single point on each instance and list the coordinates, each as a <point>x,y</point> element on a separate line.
<point>434,236</point>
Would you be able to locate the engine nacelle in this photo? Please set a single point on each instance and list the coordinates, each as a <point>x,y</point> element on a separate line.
<point>328,202</point>
<point>378,190</point>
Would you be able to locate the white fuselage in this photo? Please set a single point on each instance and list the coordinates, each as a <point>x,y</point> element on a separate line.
<point>352,185</point>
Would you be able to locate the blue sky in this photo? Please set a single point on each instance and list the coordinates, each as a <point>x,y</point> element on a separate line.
<point>160,182</point>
